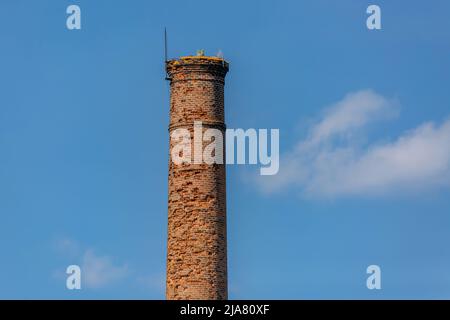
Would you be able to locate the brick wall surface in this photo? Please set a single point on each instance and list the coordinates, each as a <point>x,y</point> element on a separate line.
<point>197,242</point>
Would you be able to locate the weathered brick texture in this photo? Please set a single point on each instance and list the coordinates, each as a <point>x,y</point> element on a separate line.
<point>197,241</point>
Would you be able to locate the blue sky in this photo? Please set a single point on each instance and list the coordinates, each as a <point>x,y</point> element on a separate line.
<point>84,146</point>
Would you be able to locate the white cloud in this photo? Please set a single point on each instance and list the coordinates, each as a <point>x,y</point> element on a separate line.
<point>97,271</point>
<point>331,161</point>
<point>67,247</point>
<point>153,281</point>
<point>100,271</point>
<point>353,112</point>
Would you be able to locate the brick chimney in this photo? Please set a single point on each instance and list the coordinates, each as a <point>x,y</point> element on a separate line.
<point>197,236</point>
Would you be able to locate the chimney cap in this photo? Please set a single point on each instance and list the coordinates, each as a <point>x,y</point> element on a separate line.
<point>195,62</point>
<point>210,58</point>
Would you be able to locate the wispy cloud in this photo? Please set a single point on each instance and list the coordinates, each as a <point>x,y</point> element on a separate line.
<point>154,282</point>
<point>351,114</point>
<point>97,270</point>
<point>331,161</point>
<point>67,247</point>
<point>100,271</point>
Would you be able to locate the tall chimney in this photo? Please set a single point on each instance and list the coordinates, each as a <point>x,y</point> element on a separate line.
<point>197,239</point>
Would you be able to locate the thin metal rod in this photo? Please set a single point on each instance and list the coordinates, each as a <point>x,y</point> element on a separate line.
<point>165,44</point>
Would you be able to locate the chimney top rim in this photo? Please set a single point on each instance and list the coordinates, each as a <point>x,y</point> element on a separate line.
<point>197,60</point>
